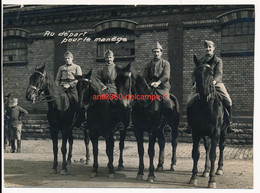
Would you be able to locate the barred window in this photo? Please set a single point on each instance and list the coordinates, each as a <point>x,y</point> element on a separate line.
<point>15,50</point>
<point>238,36</point>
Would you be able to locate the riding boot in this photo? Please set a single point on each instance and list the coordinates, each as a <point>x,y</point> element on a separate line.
<point>13,146</point>
<point>229,127</point>
<point>18,146</point>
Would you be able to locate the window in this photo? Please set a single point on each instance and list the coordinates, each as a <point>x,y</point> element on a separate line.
<point>238,36</point>
<point>15,50</point>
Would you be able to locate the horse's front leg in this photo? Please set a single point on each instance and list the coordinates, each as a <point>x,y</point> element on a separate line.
<point>94,140</point>
<point>195,157</point>
<point>207,149</point>
<point>212,156</point>
<point>70,140</point>
<point>64,152</point>
<point>161,143</point>
<point>152,140</point>
<point>174,142</point>
<point>121,148</point>
<point>54,137</point>
<point>86,141</point>
<point>110,155</point>
<point>222,143</point>
<point>140,147</point>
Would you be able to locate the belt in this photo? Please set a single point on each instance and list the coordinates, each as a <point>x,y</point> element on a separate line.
<point>67,80</point>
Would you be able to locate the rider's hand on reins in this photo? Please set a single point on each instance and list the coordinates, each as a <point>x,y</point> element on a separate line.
<point>155,84</point>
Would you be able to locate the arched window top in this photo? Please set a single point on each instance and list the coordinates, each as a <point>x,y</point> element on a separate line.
<point>115,23</point>
<point>239,14</point>
<point>19,32</point>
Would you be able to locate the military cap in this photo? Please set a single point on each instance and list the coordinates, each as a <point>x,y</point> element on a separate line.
<point>109,53</point>
<point>69,54</point>
<point>208,42</point>
<point>157,46</point>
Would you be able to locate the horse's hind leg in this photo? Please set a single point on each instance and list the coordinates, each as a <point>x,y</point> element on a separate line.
<point>121,148</point>
<point>70,140</point>
<point>110,155</point>
<point>195,157</point>
<point>161,143</point>
<point>64,152</point>
<point>86,141</point>
<point>152,140</point>
<point>94,140</point>
<point>140,147</point>
<point>54,137</point>
<point>207,149</point>
<point>222,143</point>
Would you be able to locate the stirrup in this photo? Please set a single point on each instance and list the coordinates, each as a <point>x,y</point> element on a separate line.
<point>230,129</point>
<point>187,129</point>
<point>119,126</point>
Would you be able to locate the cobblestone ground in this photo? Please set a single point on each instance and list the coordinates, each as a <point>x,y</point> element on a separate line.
<point>32,167</point>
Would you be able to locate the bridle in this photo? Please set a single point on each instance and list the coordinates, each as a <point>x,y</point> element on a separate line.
<point>91,101</point>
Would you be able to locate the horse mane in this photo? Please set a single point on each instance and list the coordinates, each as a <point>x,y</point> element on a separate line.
<point>96,87</point>
<point>54,90</point>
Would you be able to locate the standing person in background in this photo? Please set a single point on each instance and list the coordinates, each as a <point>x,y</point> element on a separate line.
<point>15,113</point>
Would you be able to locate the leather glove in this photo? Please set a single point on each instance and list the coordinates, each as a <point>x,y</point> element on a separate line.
<point>155,84</point>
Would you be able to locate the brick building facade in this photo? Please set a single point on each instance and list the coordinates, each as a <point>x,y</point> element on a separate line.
<point>41,32</point>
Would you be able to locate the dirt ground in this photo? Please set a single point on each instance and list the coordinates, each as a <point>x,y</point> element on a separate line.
<point>32,168</point>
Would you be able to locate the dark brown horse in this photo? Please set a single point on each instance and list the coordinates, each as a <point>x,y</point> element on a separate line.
<point>60,118</point>
<point>206,119</point>
<point>6,121</point>
<point>147,116</point>
<point>102,119</point>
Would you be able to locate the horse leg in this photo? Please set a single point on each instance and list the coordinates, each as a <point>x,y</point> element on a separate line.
<point>161,143</point>
<point>152,140</point>
<point>195,157</point>
<point>140,147</point>
<point>64,152</point>
<point>222,143</point>
<point>212,156</point>
<point>70,140</point>
<point>94,140</point>
<point>86,141</point>
<point>110,155</point>
<point>207,148</point>
<point>174,143</point>
<point>54,137</point>
<point>121,148</point>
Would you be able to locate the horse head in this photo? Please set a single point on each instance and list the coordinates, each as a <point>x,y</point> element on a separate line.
<point>124,83</point>
<point>36,84</point>
<point>84,89</point>
<point>204,77</point>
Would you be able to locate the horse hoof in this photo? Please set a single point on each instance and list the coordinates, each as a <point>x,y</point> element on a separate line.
<point>54,171</point>
<point>150,179</point>
<point>63,172</point>
<point>205,174</point>
<point>159,169</point>
<point>93,174</point>
<point>172,168</point>
<point>111,176</point>
<point>69,162</point>
<point>193,182</point>
<point>219,172</point>
<point>212,185</point>
<point>139,177</point>
<point>120,168</point>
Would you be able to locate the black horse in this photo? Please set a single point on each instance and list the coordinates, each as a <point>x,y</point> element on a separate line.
<point>206,118</point>
<point>102,119</point>
<point>60,117</point>
<point>6,121</point>
<point>147,116</point>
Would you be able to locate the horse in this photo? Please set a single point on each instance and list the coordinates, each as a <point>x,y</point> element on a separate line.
<point>206,119</point>
<point>147,116</point>
<point>60,117</point>
<point>102,119</point>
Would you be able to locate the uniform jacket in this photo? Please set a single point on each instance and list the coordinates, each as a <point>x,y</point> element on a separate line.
<point>106,76</point>
<point>158,70</point>
<point>15,114</point>
<point>217,67</point>
<point>66,74</point>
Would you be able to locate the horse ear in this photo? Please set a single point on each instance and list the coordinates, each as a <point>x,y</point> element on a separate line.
<point>89,74</point>
<point>211,60</point>
<point>128,67</point>
<point>195,59</point>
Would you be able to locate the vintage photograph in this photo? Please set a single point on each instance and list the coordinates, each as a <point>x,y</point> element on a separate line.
<point>111,96</point>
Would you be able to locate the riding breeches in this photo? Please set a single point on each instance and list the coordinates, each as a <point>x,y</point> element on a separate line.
<point>220,88</point>
<point>165,96</point>
<point>15,131</point>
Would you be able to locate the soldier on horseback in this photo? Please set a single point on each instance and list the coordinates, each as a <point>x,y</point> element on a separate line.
<point>217,67</point>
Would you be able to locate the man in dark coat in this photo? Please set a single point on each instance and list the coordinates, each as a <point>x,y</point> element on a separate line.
<point>217,67</point>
